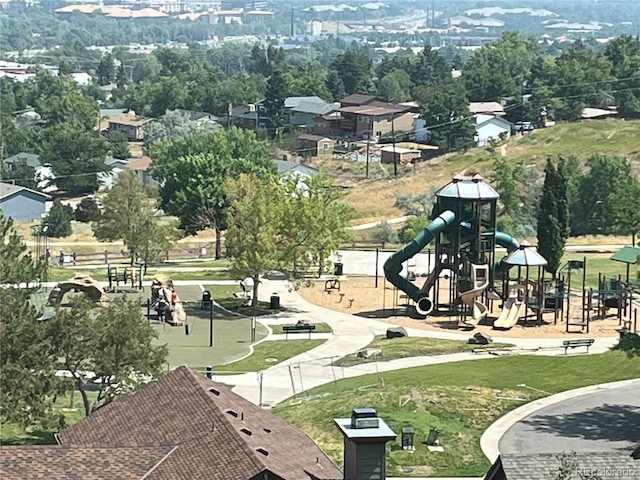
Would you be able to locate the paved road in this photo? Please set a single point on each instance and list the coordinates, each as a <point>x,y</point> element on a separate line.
<point>603,420</point>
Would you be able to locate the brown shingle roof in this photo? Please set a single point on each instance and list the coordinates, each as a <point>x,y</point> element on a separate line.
<point>83,463</point>
<point>139,163</point>
<point>358,99</point>
<point>219,435</point>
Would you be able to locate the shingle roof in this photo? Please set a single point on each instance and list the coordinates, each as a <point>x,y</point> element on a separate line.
<point>316,108</point>
<point>618,464</point>
<point>218,434</point>
<point>129,119</point>
<point>358,99</point>
<point>83,463</point>
<point>31,159</point>
<point>8,189</point>
<point>139,163</point>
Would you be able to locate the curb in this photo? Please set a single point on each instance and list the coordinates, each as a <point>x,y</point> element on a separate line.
<point>490,440</point>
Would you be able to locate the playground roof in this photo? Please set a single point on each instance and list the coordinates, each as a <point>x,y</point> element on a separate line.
<point>627,254</point>
<point>474,189</point>
<point>526,255</point>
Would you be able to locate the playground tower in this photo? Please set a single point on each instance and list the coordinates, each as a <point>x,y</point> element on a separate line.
<point>464,230</point>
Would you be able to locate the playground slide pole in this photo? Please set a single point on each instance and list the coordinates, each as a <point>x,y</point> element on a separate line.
<point>393,265</point>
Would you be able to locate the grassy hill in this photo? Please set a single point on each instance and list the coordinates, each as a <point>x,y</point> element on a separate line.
<point>373,198</point>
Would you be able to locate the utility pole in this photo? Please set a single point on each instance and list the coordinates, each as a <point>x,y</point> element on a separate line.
<point>366,170</point>
<point>292,20</point>
<point>393,139</point>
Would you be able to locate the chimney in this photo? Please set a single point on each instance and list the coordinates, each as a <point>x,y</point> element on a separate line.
<point>365,436</point>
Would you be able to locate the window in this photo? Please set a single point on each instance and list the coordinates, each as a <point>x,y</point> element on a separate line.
<point>325,146</point>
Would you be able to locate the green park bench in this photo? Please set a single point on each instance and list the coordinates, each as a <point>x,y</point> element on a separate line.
<point>581,342</point>
<point>298,328</point>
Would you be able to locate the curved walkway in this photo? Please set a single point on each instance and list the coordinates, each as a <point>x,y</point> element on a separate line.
<point>350,334</point>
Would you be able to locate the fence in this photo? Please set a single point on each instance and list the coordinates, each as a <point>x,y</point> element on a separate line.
<point>107,257</point>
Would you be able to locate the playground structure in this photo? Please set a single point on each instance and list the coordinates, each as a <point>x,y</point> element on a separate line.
<point>79,283</point>
<point>464,230</point>
<point>166,302</point>
<point>115,277</point>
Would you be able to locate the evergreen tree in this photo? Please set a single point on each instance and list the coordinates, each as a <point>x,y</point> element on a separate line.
<point>553,215</point>
<point>275,112</point>
<point>59,220</point>
<point>106,70</point>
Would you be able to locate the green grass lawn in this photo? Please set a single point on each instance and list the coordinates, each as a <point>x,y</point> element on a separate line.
<point>320,328</point>
<point>71,407</point>
<point>460,399</point>
<point>392,348</point>
<point>57,274</point>
<point>267,354</point>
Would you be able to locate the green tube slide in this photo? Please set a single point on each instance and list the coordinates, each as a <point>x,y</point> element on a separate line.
<point>393,265</point>
<point>507,241</point>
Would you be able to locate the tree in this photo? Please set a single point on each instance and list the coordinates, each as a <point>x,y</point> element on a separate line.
<point>385,233</point>
<point>87,210</point>
<point>314,222</point>
<point>354,69</point>
<point>173,124</point>
<point>129,215</point>
<point>307,80</point>
<point>275,112</point>
<point>20,174</point>
<point>395,86</point>
<point>119,144</point>
<point>445,109</point>
<point>113,346</point>
<point>624,54</point>
<point>592,210</point>
<point>430,69</point>
<point>192,171</point>
<point>568,466</point>
<point>412,227</point>
<point>255,214</point>
<point>106,71</point>
<point>59,220</point>
<point>27,374</point>
<point>416,204</point>
<point>553,215</point>
<point>624,204</point>
<point>76,158</point>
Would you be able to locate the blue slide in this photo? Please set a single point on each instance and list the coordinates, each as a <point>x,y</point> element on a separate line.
<point>393,265</point>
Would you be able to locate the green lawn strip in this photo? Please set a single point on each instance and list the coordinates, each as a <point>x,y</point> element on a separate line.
<point>57,274</point>
<point>71,407</point>
<point>392,348</point>
<point>461,399</point>
<point>320,328</point>
<point>267,354</point>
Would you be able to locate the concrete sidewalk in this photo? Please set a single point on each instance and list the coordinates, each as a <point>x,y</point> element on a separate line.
<point>350,334</point>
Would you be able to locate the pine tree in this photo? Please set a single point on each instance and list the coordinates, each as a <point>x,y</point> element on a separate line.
<point>59,220</point>
<point>553,215</point>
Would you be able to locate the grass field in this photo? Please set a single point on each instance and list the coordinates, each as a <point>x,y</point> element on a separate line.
<point>373,198</point>
<point>320,328</point>
<point>267,354</point>
<point>460,399</point>
<point>393,348</point>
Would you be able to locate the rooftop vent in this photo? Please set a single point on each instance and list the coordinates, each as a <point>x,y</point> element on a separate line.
<point>364,418</point>
<point>215,391</point>
<point>246,431</point>
<point>262,451</point>
<point>268,430</point>
<point>232,413</point>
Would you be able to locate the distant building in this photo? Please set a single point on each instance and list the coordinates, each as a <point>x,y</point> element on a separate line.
<point>21,203</point>
<point>315,145</point>
<point>399,155</point>
<point>490,128</point>
<point>364,116</point>
<point>130,124</point>
<point>141,166</point>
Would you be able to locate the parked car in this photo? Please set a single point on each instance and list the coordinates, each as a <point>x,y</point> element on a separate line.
<point>523,127</point>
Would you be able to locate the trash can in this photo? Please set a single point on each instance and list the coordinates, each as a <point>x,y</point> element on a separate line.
<point>337,268</point>
<point>274,304</point>
<point>206,299</point>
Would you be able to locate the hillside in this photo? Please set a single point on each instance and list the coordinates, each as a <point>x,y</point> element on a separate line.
<point>373,198</point>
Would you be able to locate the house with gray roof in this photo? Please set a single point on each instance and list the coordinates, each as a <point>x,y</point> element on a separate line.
<point>182,426</point>
<point>30,159</point>
<point>22,203</point>
<point>304,113</point>
<point>287,167</point>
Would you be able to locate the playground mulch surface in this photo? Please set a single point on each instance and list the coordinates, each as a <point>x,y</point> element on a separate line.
<point>371,302</point>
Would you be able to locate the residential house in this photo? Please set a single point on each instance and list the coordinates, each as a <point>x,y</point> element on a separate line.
<point>200,117</point>
<point>141,167</point>
<point>21,203</point>
<point>315,145</point>
<point>364,116</point>
<point>30,159</point>
<point>399,155</point>
<point>182,426</point>
<point>486,108</point>
<point>287,167</point>
<point>130,124</point>
<point>304,112</point>
<point>328,125</point>
<point>248,116</point>
<point>489,127</point>
<point>108,178</point>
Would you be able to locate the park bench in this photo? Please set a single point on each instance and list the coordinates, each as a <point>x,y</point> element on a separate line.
<point>298,328</point>
<point>581,342</point>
